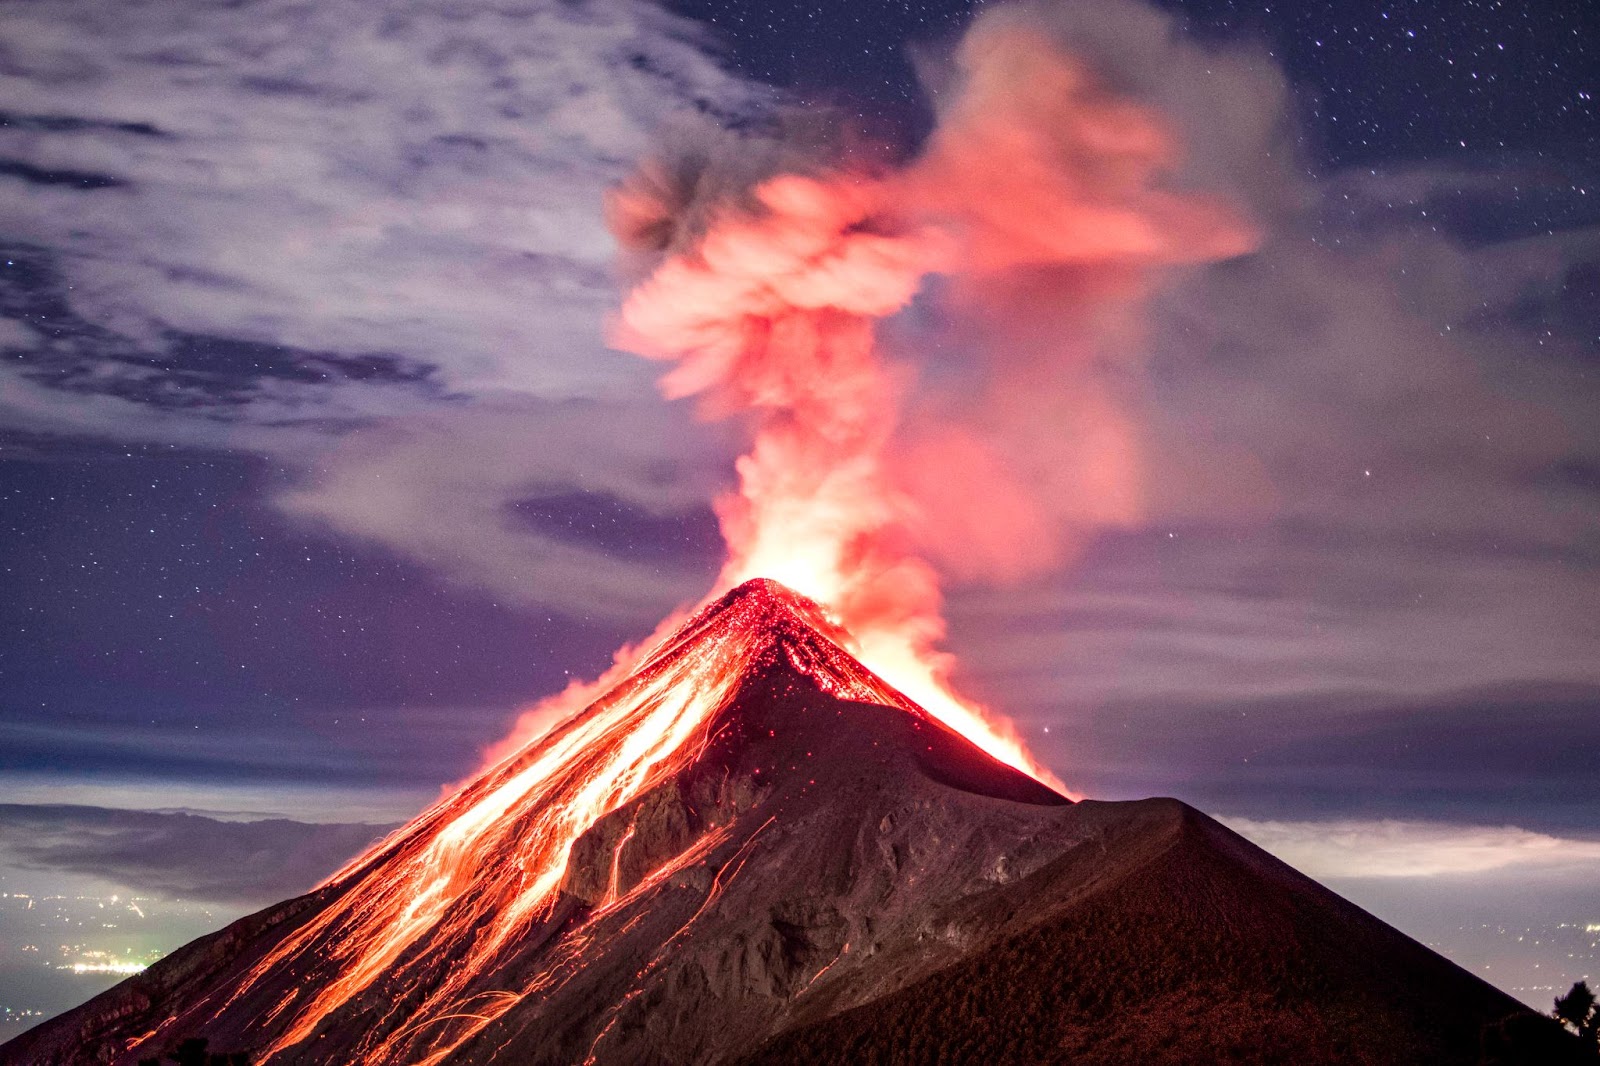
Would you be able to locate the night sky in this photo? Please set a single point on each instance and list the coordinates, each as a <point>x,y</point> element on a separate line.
<point>315,467</point>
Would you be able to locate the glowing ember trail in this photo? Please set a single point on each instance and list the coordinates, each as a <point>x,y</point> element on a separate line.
<point>765,301</point>
<point>481,868</point>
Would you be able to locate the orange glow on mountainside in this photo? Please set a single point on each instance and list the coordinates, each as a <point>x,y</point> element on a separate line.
<point>481,868</point>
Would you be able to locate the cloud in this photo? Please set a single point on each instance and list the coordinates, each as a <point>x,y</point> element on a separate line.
<point>1194,613</point>
<point>1483,198</point>
<point>212,383</point>
<point>232,799</point>
<point>305,215</point>
<point>355,238</point>
<point>1527,751</point>
<point>346,177</point>
<point>370,750</point>
<point>472,494</point>
<point>178,854</point>
<point>1363,386</point>
<point>1410,849</point>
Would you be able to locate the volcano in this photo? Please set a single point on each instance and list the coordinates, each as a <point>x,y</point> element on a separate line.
<point>755,850</point>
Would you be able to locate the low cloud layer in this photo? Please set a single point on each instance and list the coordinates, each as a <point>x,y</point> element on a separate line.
<point>177,855</point>
<point>1388,848</point>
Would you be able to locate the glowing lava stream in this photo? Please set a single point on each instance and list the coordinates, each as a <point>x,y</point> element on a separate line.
<point>483,866</point>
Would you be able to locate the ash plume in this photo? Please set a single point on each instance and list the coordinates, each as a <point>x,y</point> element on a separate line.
<point>1043,200</point>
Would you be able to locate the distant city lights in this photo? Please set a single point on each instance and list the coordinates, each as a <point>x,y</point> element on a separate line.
<point>106,967</point>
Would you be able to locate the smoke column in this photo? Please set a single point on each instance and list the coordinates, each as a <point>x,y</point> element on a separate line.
<point>1040,197</point>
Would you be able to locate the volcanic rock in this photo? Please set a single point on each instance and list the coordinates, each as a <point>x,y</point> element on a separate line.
<point>830,875</point>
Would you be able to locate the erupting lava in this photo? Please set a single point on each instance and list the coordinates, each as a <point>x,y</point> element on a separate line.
<point>481,868</point>
<point>773,313</point>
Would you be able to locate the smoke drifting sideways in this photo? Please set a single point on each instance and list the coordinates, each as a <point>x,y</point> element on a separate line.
<point>764,265</point>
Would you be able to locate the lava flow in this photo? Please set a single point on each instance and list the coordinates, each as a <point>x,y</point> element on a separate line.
<point>482,867</point>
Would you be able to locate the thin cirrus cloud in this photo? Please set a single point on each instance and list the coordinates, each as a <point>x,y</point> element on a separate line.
<point>179,854</point>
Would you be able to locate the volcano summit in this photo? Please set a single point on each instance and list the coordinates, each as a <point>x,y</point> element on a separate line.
<point>755,850</point>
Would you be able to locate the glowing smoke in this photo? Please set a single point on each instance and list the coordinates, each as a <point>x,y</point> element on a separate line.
<point>1040,194</point>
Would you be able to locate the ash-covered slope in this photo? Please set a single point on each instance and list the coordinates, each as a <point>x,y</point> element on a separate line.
<point>811,869</point>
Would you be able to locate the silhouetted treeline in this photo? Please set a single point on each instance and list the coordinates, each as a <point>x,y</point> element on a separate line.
<point>1578,1011</point>
<point>1570,1037</point>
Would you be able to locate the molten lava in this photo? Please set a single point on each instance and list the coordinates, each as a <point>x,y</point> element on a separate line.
<point>480,870</point>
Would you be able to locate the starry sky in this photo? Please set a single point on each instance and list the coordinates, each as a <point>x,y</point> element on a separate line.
<point>315,466</point>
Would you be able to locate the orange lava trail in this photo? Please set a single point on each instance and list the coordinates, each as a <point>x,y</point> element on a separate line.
<point>504,838</point>
<point>718,885</point>
<point>482,867</point>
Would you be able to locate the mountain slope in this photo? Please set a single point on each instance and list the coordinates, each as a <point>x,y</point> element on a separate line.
<point>807,868</point>
<point>1191,946</point>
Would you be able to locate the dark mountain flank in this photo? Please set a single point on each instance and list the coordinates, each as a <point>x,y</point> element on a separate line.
<point>812,870</point>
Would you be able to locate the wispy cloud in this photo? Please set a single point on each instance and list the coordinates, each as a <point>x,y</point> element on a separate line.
<point>177,854</point>
<point>1410,849</point>
<point>1463,758</point>
<point>355,237</point>
<point>473,494</point>
<point>346,177</point>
